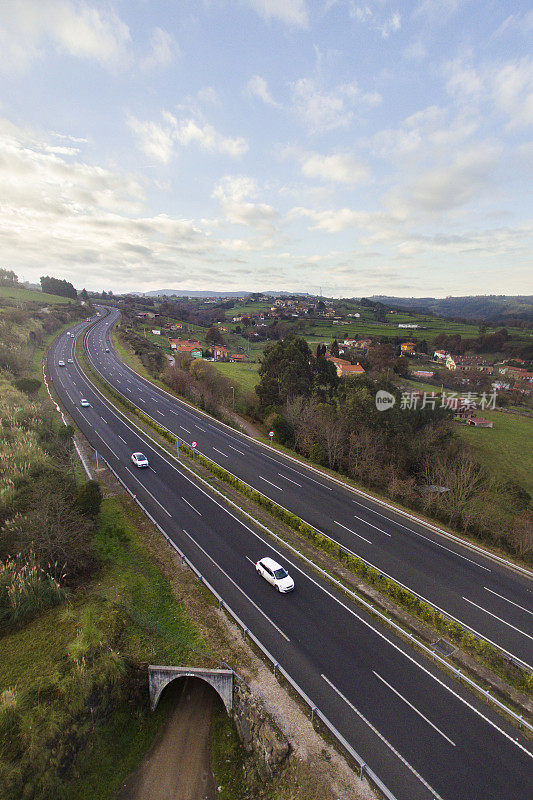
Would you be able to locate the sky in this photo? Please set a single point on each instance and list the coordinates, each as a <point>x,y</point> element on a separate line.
<point>342,146</point>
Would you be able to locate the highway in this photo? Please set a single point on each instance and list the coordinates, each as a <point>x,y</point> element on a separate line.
<point>480,593</point>
<point>421,733</point>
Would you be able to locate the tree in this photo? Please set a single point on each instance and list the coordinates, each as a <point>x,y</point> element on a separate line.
<point>8,277</point>
<point>214,336</point>
<point>334,349</point>
<point>84,295</point>
<point>62,288</point>
<point>89,498</point>
<point>286,371</point>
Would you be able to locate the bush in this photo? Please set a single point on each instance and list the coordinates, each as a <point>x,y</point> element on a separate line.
<point>89,498</point>
<point>29,386</point>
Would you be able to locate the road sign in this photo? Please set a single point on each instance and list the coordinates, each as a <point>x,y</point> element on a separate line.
<point>194,444</point>
<point>271,434</point>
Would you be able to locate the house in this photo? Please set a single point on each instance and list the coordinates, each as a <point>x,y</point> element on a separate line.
<point>238,357</point>
<point>194,349</point>
<point>423,374</point>
<point>344,367</point>
<point>222,327</point>
<point>469,364</point>
<point>349,342</point>
<point>156,331</point>
<point>354,315</point>
<point>479,422</point>
<point>219,352</point>
<point>440,355</point>
<point>363,344</point>
<point>412,325</point>
<point>517,373</point>
<point>408,347</point>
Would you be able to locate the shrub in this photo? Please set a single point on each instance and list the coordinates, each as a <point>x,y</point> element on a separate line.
<point>29,386</point>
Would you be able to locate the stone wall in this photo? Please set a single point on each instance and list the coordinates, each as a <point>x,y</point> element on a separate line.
<point>261,738</point>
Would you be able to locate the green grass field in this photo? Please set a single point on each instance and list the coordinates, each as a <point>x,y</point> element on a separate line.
<point>243,375</point>
<point>506,448</point>
<point>32,296</point>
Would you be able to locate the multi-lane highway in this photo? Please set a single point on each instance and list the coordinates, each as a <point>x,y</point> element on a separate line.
<point>422,734</point>
<point>479,592</point>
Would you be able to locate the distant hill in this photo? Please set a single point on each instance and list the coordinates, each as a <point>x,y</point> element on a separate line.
<point>205,293</point>
<point>490,308</point>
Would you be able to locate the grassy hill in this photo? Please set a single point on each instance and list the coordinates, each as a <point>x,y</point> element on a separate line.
<point>22,295</point>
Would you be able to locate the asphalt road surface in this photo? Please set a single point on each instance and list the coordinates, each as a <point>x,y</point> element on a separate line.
<point>421,733</point>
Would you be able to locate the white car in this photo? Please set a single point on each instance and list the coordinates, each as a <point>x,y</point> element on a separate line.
<point>275,574</point>
<point>84,402</point>
<point>107,349</point>
<point>61,363</point>
<point>70,361</point>
<point>140,460</point>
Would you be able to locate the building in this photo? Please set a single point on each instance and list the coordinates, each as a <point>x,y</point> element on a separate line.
<point>344,368</point>
<point>238,357</point>
<point>412,325</point>
<point>408,347</point>
<point>469,364</point>
<point>517,373</point>
<point>363,344</point>
<point>440,355</point>
<point>422,374</point>
<point>479,422</point>
<point>219,352</point>
<point>194,349</point>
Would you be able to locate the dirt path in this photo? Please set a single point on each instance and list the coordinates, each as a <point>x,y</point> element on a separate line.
<point>177,766</point>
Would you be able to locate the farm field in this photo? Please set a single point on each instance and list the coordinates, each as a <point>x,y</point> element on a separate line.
<point>243,375</point>
<point>32,295</point>
<point>504,448</point>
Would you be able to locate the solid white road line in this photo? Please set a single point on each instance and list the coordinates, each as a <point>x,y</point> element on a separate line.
<point>350,531</point>
<point>498,618</point>
<point>270,482</point>
<point>85,418</point>
<point>191,505</point>
<point>289,479</point>
<point>429,722</point>
<point>421,536</point>
<point>527,610</point>
<point>238,587</point>
<point>372,526</point>
<point>147,492</point>
<point>220,451</point>
<point>107,445</point>
<point>383,739</point>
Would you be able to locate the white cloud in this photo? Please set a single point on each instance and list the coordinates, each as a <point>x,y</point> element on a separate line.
<point>163,50</point>
<point>437,10</point>
<point>28,28</point>
<point>257,87</point>
<point>291,12</point>
<point>234,193</point>
<point>336,168</point>
<point>376,21</point>
<point>322,110</point>
<point>448,187</point>
<point>158,140</point>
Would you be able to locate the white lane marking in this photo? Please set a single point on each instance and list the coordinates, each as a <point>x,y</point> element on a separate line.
<point>383,739</point>
<point>498,618</point>
<point>527,610</point>
<point>107,445</point>
<point>429,722</point>
<point>289,479</point>
<point>201,429</point>
<point>120,437</point>
<point>147,492</point>
<point>270,482</point>
<point>372,526</point>
<point>220,451</point>
<point>337,600</point>
<point>142,400</point>
<point>236,448</point>
<point>300,473</point>
<point>421,535</point>
<point>69,397</point>
<point>184,429</point>
<point>350,531</point>
<point>159,412</point>
<point>104,420</point>
<point>85,418</point>
<point>191,505</point>
<point>250,560</point>
<point>238,587</point>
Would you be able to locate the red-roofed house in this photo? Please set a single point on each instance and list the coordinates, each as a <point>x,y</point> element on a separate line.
<point>344,367</point>
<point>184,346</point>
<point>218,352</point>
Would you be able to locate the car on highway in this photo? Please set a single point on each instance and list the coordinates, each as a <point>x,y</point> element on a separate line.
<point>140,460</point>
<point>107,349</point>
<point>61,363</point>
<point>70,361</point>
<point>275,574</point>
<point>84,402</point>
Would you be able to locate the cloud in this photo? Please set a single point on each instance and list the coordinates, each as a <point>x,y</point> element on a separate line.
<point>158,140</point>
<point>31,28</point>
<point>234,193</point>
<point>163,50</point>
<point>322,110</point>
<point>446,188</point>
<point>337,168</point>
<point>257,87</point>
<point>384,25</point>
<point>291,12</point>
<point>437,10</point>
<point>503,88</point>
